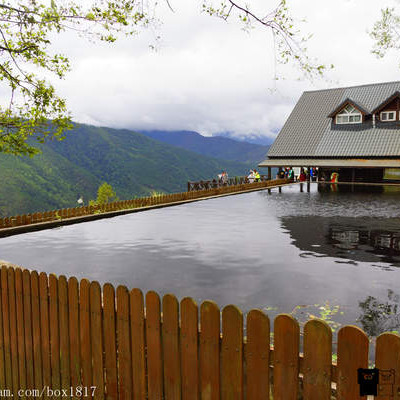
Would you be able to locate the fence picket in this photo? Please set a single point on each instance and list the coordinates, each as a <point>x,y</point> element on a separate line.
<point>63,312</point>
<point>153,340</point>
<point>124,344</point>
<point>317,361</point>
<point>286,357</point>
<point>27,328</point>
<point>96,340</point>
<point>36,329</point>
<point>6,327</point>
<point>19,307</point>
<point>2,349</point>
<point>45,328</point>
<point>110,345</point>
<point>138,344</point>
<point>54,332</point>
<point>189,349</point>
<point>36,342</point>
<point>209,351</point>
<point>352,354</point>
<point>257,355</point>
<point>232,354</point>
<point>73,322</point>
<point>387,357</point>
<point>13,331</point>
<point>85,334</point>
<point>170,345</point>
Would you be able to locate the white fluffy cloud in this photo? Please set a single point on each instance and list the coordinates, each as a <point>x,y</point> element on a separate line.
<point>210,76</point>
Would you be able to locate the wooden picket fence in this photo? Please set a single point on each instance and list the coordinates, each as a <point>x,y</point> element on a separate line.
<point>97,342</point>
<point>118,206</point>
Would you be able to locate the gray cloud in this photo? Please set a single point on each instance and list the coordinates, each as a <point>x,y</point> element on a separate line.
<point>210,76</point>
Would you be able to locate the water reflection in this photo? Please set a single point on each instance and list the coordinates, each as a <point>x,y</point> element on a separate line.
<point>271,251</point>
<point>355,188</point>
<point>373,240</point>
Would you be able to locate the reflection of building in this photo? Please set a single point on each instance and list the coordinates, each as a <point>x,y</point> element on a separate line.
<point>346,239</point>
<point>378,240</point>
<point>354,131</point>
<point>368,240</point>
<point>346,187</point>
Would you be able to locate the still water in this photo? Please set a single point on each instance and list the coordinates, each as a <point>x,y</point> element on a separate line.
<point>337,250</point>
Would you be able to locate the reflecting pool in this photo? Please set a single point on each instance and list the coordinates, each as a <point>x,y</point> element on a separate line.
<point>280,252</point>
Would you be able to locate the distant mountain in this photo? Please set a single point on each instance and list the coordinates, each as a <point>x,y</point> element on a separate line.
<point>215,146</point>
<point>132,163</point>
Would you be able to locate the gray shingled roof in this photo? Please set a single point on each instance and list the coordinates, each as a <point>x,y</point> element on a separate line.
<point>309,131</point>
<point>332,162</point>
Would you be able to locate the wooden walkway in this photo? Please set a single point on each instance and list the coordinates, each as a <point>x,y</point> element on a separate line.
<point>51,219</point>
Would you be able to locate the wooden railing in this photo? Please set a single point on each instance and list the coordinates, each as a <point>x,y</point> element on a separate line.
<point>68,213</point>
<point>64,336</point>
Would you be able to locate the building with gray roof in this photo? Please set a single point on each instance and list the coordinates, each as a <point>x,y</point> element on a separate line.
<point>345,128</point>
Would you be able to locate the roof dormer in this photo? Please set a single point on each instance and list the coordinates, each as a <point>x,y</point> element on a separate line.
<point>348,112</point>
<point>389,110</point>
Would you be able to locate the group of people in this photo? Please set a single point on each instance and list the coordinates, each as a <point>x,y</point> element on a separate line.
<point>327,176</point>
<point>308,174</point>
<point>286,173</point>
<point>254,176</point>
<point>305,174</point>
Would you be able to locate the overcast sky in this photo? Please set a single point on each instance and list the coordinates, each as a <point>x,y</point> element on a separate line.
<point>210,76</point>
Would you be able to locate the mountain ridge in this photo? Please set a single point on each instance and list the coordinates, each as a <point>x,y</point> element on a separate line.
<point>134,164</point>
<point>226,148</point>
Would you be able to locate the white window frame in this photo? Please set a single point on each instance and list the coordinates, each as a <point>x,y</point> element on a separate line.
<point>345,113</point>
<point>388,112</point>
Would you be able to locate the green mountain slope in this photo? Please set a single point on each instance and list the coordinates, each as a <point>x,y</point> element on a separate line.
<point>44,182</point>
<point>132,163</point>
<point>215,146</point>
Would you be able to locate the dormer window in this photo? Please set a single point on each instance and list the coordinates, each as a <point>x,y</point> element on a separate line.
<point>388,110</point>
<point>388,116</point>
<point>349,115</point>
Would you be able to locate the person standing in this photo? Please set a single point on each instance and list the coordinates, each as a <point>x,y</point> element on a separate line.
<point>250,177</point>
<point>303,175</point>
<point>334,177</point>
<point>224,178</point>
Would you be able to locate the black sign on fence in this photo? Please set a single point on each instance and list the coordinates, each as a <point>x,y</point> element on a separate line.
<point>368,379</point>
